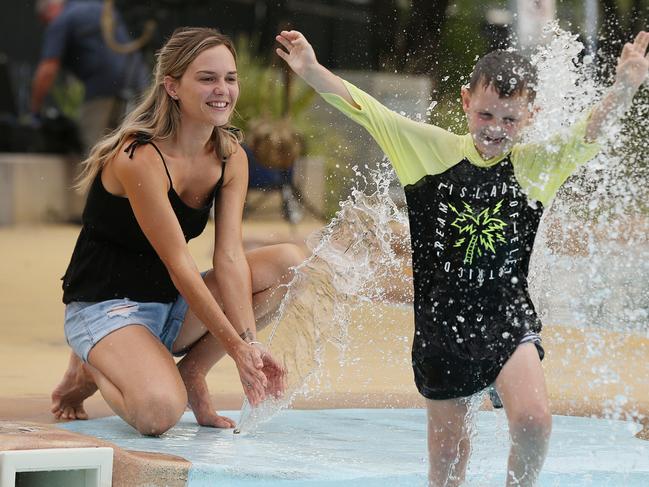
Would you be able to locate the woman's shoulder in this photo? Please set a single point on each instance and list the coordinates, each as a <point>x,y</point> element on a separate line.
<point>238,152</point>
<point>137,154</point>
<point>138,146</point>
<point>135,142</point>
<point>237,132</point>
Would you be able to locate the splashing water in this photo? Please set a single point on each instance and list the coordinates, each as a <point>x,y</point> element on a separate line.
<point>594,237</point>
<point>589,269</point>
<point>565,90</point>
<point>352,255</point>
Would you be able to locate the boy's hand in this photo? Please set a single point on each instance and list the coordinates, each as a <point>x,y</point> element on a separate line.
<point>633,64</point>
<point>631,72</point>
<point>300,57</point>
<point>299,54</point>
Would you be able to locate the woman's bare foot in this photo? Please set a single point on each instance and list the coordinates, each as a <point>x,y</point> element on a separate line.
<point>77,385</point>
<point>199,401</point>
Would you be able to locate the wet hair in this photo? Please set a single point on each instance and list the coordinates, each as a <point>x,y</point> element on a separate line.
<point>157,116</point>
<point>509,73</point>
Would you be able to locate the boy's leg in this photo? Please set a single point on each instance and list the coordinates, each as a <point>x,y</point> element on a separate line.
<point>448,441</point>
<point>521,386</point>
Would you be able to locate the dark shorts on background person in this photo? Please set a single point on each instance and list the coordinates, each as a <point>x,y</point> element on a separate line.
<point>87,323</point>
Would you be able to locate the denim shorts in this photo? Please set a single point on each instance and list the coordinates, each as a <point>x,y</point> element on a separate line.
<point>87,323</point>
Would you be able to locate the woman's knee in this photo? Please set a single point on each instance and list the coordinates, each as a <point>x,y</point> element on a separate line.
<point>285,257</point>
<point>290,255</point>
<point>157,411</point>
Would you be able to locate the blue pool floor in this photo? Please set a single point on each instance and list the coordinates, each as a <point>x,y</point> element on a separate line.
<point>380,447</point>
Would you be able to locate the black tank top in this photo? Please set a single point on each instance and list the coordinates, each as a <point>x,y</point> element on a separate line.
<point>113,258</point>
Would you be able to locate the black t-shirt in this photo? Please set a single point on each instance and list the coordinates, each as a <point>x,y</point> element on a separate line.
<point>473,234</point>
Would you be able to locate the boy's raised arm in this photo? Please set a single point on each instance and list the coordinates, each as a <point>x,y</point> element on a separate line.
<point>300,56</point>
<point>414,149</point>
<point>631,72</point>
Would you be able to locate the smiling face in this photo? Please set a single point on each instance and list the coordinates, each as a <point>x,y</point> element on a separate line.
<point>207,92</point>
<point>495,122</point>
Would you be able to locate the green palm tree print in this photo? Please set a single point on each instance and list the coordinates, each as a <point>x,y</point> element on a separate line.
<point>483,230</point>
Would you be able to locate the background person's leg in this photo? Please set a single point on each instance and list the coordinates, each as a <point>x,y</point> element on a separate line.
<point>98,116</point>
<point>269,267</point>
<point>449,442</point>
<point>138,378</point>
<point>521,386</point>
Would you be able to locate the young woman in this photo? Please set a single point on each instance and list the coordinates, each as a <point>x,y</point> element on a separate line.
<point>134,295</point>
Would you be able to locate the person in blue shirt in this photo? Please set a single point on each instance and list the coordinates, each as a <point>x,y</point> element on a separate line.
<point>73,40</point>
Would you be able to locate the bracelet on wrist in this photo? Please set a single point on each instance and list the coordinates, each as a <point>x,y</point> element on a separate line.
<point>247,335</point>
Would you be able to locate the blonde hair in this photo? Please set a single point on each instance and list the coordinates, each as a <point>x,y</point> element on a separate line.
<point>157,116</point>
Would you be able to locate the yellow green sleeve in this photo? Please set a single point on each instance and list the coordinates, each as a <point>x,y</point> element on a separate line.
<point>541,169</point>
<point>415,149</point>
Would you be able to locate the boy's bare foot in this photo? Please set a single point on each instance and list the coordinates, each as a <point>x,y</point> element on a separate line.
<point>77,385</point>
<point>200,403</point>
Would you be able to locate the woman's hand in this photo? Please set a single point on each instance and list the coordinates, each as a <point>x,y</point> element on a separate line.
<point>250,364</point>
<point>259,372</point>
<point>633,64</point>
<point>275,373</point>
<point>299,54</point>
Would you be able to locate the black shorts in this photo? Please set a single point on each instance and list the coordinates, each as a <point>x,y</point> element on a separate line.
<point>441,375</point>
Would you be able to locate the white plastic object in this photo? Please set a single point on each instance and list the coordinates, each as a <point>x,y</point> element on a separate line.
<point>57,467</point>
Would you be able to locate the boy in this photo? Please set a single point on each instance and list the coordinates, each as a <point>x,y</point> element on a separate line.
<point>474,205</point>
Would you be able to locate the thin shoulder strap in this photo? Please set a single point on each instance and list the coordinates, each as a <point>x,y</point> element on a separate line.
<point>164,163</point>
<point>224,160</point>
<point>139,140</point>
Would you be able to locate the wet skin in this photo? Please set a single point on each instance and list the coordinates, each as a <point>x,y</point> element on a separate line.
<point>495,122</point>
